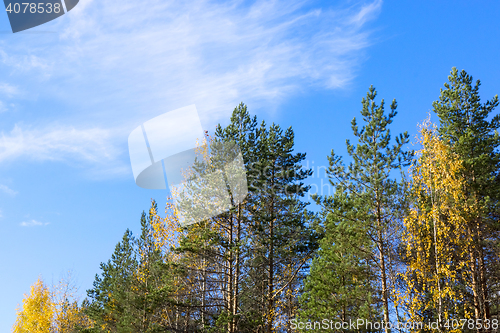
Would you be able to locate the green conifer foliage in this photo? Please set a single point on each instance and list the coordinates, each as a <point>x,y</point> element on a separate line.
<point>362,223</point>
<point>468,126</point>
<point>111,297</point>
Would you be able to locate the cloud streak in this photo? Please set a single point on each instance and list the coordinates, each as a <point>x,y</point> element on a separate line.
<point>117,63</point>
<point>57,143</point>
<point>33,223</point>
<point>5,189</point>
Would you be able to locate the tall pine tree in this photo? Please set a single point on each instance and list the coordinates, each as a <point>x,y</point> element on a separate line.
<point>255,253</point>
<point>341,283</point>
<point>367,206</point>
<point>282,240</point>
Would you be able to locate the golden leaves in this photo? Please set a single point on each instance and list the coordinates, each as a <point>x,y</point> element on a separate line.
<point>166,231</point>
<point>46,310</point>
<point>435,234</point>
<point>38,311</point>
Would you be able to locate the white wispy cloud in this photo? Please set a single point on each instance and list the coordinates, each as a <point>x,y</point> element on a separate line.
<point>7,190</point>
<point>367,13</point>
<point>8,89</point>
<point>59,143</point>
<point>3,107</point>
<point>117,63</point>
<point>7,92</point>
<point>33,223</point>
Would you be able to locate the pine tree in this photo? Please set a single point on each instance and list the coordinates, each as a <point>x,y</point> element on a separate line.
<point>242,131</point>
<point>212,249</point>
<point>174,296</point>
<point>465,125</point>
<point>282,242</point>
<point>340,285</point>
<point>245,264</point>
<point>369,200</point>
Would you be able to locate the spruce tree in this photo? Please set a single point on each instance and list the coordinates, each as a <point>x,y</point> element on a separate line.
<point>111,298</point>
<point>135,291</point>
<point>153,287</point>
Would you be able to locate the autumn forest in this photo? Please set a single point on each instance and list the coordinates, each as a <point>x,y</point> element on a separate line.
<point>409,241</point>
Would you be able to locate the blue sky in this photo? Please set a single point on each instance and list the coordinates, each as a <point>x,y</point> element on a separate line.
<point>73,89</point>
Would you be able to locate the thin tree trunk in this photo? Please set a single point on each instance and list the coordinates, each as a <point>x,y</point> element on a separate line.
<point>436,261</point>
<point>483,277</point>
<point>385,291</point>
<point>237,272</point>
<point>385,296</point>
<point>204,290</point>
<point>270,303</point>
<point>477,306</point>
<point>230,276</point>
<point>144,307</point>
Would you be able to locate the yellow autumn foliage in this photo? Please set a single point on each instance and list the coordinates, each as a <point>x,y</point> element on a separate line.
<point>38,311</point>
<point>45,310</point>
<point>435,235</point>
